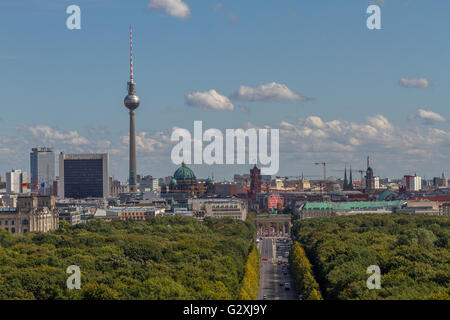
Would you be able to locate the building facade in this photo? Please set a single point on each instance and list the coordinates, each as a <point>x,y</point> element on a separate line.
<point>255,182</point>
<point>42,168</point>
<point>444,209</point>
<point>148,183</point>
<point>83,176</point>
<point>134,213</point>
<point>370,180</point>
<point>71,215</point>
<point>326,209</point>
<point>185,185</point>
<point>413,183</point>
<point>32,214</point>
<point>218,208</point>
<point>16,181</point>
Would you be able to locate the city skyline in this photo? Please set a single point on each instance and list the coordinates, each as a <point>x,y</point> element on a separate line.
<point>332,101</point>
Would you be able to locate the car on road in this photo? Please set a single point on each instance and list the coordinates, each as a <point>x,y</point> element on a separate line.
<point>264,259</point>
<point>265,297</point>
<point>287,286</point>
<point>281,284</point>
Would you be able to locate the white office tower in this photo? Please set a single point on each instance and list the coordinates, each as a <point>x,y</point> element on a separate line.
<point>16,181</point>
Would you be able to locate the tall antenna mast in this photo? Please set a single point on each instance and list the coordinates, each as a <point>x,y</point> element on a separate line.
<point>131,54</point>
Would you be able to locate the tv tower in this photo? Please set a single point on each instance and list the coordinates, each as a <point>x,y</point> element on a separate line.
<point>131,101</point>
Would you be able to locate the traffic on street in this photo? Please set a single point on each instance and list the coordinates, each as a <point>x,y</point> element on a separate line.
<point>276,282</point>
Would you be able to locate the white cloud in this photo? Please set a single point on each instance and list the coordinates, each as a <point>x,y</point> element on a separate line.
<point>267,92</point>
<point>380,122</point>
<point>50,134</point>
<point>337,140</point>
<point>419,83</point>
<point>175,8</point>
<point>427,117</point>
<point>313,121</point>
<point>148,142</point>
<point>210,100</point>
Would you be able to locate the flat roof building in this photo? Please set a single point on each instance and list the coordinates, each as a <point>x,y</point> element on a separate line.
<point>218,208</point>
<point>83,176</point>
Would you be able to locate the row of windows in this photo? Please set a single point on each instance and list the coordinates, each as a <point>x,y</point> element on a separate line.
<point>13,230</point>
<point>226,209</point>
<point>224,206</point>
<point>5,222</point>
<point>133,218</point>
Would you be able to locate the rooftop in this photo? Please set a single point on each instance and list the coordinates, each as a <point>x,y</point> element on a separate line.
<point>347,206</point>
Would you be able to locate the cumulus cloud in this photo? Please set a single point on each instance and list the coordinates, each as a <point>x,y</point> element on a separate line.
<point>50,134</point>
<point>380,122</point>
<point>313,121</point>
<point>427,117</point>
<point>418,83</point>
<point>267,92</point>
<point>339,140</point>
<point>147,142</point>
<point>175,8</point>
<point>210,100</point>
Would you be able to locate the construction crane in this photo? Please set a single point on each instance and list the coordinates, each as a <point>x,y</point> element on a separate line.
<point>324,164</point>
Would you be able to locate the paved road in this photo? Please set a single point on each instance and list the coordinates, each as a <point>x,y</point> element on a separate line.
<point>272,274</point>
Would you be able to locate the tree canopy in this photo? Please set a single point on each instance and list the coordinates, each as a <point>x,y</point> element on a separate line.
<point>162,258</point>
<point>412,252</point>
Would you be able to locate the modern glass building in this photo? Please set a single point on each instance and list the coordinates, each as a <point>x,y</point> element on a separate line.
<point>42,168</point>
<point>83,176</point>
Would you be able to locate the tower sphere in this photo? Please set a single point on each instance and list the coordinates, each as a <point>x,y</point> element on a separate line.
<point>131,101</point>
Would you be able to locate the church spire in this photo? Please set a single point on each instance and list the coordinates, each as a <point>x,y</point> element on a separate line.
<point>350,184</point>
<point>345,179</point>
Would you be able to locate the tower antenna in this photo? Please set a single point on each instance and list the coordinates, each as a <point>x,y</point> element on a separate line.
<point>131,55</point>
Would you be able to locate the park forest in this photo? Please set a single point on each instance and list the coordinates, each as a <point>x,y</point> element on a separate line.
<point>412,252</point>
<point>162,258</point>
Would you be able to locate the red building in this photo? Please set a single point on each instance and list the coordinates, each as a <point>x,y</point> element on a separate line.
<point>255,182</point>
<point>275,202</point>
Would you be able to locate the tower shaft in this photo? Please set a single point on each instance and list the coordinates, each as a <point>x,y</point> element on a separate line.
<point>132,177</point>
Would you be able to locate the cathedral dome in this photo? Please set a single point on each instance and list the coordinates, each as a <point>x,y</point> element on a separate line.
<point>184,173</point>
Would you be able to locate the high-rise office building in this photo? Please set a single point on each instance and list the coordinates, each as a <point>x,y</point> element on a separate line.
<point>42,168</point>
<point>83,176</point>
<point>148,183</point>
<point>413,183</point>
<point>16,181</point>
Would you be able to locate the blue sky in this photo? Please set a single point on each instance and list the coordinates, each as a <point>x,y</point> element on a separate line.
<point>65,88</point>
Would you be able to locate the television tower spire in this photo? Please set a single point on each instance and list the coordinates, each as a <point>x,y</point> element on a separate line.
<point>131,54</point>
<point>132,102</point>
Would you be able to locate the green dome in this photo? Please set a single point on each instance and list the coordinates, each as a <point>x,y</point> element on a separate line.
<point>184,173</point>
<point>173,181</point>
